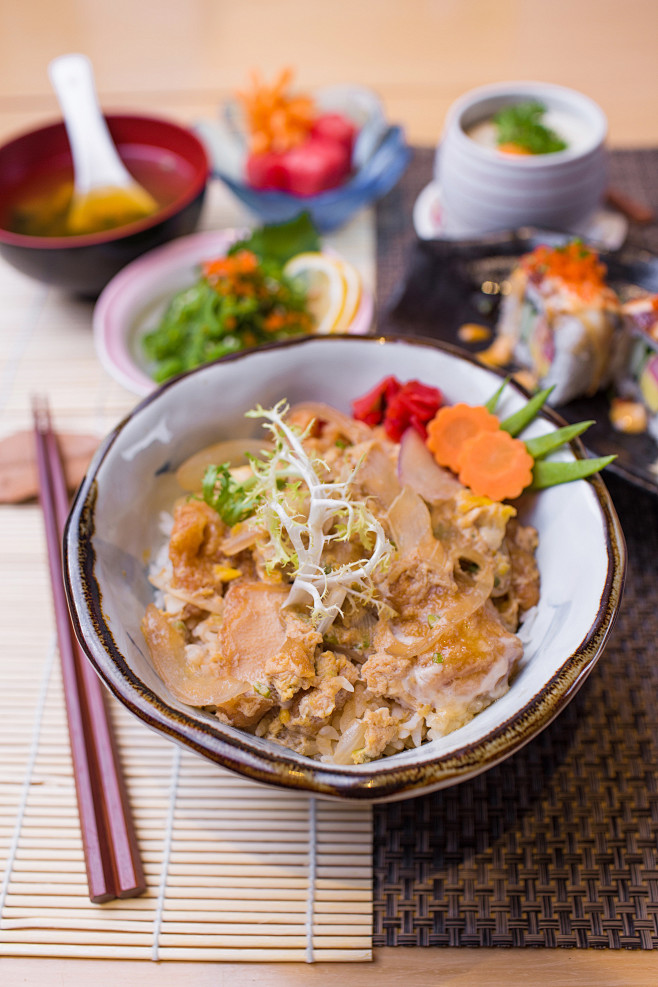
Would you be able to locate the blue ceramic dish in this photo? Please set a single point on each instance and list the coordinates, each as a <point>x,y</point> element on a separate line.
<point>333,208</point>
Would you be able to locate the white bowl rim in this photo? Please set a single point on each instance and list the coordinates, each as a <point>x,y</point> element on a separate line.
<point>525,88</point>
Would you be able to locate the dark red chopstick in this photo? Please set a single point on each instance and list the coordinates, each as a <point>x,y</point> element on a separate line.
<point>114,868</point>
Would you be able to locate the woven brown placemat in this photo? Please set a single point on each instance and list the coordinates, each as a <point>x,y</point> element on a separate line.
<point>558,846</point>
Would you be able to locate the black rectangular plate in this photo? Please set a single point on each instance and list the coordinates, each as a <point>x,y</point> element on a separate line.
<point>449,283</point>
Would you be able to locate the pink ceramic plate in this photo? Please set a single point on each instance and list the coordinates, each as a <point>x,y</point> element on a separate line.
<point>136,297</point>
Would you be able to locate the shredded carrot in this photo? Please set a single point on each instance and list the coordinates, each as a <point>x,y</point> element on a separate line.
<point>277,120</point>
<point>452,426</point>
<point>493,464</point>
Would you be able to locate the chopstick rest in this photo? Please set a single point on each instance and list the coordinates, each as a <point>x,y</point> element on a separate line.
<point>112,860</point>
<point>18,468</point>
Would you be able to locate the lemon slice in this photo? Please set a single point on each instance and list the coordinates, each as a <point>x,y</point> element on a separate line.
<point>352,301</point>
<point>326,286</point>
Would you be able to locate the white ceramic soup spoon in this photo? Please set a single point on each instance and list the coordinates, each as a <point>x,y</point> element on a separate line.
<point>105,194</point>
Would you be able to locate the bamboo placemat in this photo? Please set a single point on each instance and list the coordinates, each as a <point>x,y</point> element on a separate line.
<point>235,871</point>
<point>558,846</point>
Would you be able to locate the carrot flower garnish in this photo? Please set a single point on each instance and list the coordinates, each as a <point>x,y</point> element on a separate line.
<point>488,457</point>
<point>495,465</point>
<point>277,119</point>
<point>452,427</point>
<point>472,441</point>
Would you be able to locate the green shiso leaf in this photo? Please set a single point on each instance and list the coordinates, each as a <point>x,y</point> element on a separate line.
<point>279,242</point>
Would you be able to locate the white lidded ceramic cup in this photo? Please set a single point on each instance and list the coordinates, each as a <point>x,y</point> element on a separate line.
<point>484,190</point>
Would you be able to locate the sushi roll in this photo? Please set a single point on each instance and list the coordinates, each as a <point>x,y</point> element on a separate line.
<point>562,321</point>
<point>637,380</point>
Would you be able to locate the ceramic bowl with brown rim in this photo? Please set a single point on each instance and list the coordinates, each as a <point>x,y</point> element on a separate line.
<point>114,529</point>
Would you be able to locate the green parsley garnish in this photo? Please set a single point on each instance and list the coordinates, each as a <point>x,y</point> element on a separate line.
<point>438,658</point>
<point>232,500</point>
<point>521,125</point>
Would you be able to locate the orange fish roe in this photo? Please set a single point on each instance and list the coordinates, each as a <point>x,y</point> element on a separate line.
<point>278,320</point>
<point>575,264</point>
<point>237,274</point>
<point>244,262</point>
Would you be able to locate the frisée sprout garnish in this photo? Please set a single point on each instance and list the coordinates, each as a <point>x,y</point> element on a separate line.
<point>304,514</point>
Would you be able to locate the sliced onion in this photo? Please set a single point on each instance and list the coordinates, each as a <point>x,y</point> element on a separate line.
<point>352,739</point>
<point>457,608</point>
<point>349,427</point>
<point>162,581</point>
<point>213,604</point>
<point>243,538</point>
<point>418,469</point>
<point>377,477</point>
<point>411,527</point>
<point>233,451</point>
<point>195,686</point>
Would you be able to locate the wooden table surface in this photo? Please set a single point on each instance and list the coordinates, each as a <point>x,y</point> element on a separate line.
<point>181,58</point>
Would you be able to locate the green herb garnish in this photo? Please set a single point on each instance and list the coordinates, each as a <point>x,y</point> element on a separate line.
<point>280,242</point>
<point>298,538</point>
<point>520,126</point>
<point>438,658</point>
<point>467,565</point>
<point>232,500</point>
<point>492,403</point>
